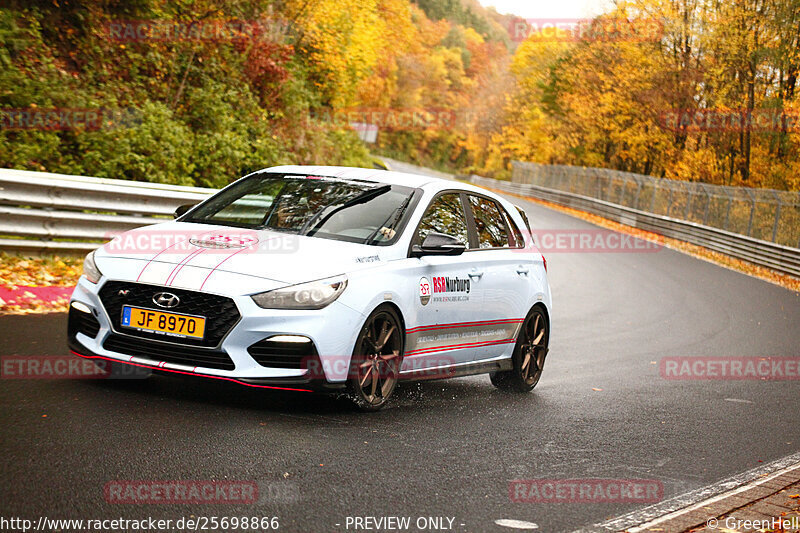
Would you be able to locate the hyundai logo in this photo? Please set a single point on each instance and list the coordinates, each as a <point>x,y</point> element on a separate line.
<point>166,300</point>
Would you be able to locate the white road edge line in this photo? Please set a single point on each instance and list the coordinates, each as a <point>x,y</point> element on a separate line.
<point>646,517</point>
<point>515,524</point>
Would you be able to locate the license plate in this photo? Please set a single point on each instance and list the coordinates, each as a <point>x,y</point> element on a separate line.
<point>170,324</point>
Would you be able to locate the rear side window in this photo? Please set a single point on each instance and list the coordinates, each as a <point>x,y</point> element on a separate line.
<point>524,217</point>
<point>445,215</point>
<point>490,223</point>
<point>516,234</point>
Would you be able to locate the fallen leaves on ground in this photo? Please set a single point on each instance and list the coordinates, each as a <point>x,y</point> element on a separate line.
<point>19,273</point>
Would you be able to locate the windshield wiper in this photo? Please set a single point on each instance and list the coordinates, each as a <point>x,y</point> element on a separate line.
<point>390,222</point>
<point>360,198</point>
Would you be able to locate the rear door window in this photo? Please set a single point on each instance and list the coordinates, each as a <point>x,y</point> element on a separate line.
<point>490,223</point>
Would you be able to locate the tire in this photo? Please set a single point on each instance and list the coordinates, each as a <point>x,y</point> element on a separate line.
<point>529,355</point>
<point>377,357</point>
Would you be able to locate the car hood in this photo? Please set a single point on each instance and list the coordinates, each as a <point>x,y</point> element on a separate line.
<point>229,260</point>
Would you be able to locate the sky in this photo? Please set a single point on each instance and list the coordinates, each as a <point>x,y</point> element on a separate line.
<point>549,8</point>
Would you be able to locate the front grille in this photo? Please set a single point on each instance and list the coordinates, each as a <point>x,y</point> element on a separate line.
<point>80,322</point>
<point>220,312</point>
<point>171,353</point>
<point>294,355</point>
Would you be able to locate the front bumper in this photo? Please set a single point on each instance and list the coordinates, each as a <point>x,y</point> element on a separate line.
<point>332,331</point>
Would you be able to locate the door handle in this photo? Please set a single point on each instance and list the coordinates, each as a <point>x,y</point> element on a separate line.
<point>521,269</point>
<point>476,273</point>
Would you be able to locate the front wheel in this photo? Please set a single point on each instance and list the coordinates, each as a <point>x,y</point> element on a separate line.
<point>375,365</point>
<point>528,357</point>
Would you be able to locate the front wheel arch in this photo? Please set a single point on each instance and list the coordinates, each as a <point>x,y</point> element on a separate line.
<point>377,357</point>
<point>399,313</point>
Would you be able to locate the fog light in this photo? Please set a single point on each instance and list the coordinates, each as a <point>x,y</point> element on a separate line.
<point>82,307</point>
<point>289,338</point>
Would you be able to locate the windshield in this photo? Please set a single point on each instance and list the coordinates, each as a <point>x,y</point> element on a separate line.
<point>332,208</point>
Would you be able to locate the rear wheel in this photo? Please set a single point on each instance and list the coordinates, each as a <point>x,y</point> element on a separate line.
<point>375,365</point>
<point>529,355</point>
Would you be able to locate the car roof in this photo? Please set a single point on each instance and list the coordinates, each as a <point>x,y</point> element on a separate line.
<point>378,176</point>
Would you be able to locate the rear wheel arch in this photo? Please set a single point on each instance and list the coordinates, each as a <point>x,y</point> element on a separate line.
<point>545,311</point>
<point>529,354</point>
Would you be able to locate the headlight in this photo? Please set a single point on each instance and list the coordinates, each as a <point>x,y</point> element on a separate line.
<point>311,295</point>
<point>90,269</point>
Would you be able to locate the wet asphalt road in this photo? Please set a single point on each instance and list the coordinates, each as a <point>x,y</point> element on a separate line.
<point>446,448</point>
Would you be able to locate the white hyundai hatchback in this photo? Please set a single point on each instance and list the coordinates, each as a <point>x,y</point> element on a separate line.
<point>323,278</point>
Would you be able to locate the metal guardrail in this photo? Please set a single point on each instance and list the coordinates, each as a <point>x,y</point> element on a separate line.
<point>45,212</point>
<point>59,213</point>
<point>783,259</point>
<point>764,214</point>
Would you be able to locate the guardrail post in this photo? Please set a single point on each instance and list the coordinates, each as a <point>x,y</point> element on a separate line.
<point>752,211</point>
<point>777,217</point>
<point>689,196</point>
<point>669,201</point>
<point>653,199</point>
<point>599,187</point>
<point>638,191</point>
<point>728,211</point>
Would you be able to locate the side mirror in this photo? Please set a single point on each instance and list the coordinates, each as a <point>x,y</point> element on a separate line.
<point>182,210</point>
<point>438,244</point>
